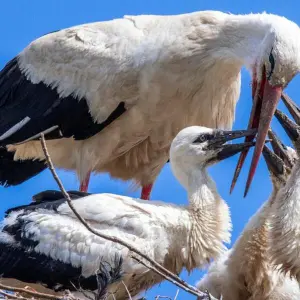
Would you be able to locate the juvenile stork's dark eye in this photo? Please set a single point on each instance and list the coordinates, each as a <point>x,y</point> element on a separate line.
<point>203,138</point>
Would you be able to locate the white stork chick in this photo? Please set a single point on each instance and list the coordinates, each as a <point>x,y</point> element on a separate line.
<point>285,228</point>
<point>112,95</point>
<point>245,272</point>
<point>215,277</point>
<point>175,236</point>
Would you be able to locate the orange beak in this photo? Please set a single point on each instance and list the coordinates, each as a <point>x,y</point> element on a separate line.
<point>265,100</point>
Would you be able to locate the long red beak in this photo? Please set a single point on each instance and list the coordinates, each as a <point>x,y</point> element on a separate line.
<point>265,100</point>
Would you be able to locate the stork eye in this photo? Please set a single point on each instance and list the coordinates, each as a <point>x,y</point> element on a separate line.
<point>203,138</point>
<point>272,63</point>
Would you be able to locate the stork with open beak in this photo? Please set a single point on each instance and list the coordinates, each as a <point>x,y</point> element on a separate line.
<point>246,271</point>
<point>111,96</point>
<point>284,223</point>
<point>62,254</point>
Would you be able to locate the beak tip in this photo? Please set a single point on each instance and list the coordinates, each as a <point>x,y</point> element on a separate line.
<point>246,189</point>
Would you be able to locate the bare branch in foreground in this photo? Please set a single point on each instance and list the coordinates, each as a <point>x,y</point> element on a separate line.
<point>129,296</point>
<point>203,296</point>
<point>157,267</point>
<point>162,297</point>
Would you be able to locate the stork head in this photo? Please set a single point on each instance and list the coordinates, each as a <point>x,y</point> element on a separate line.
<point>197,147</point>
<point>280,162</point>
<point>278,170</point>
<point>274,65</point>
<point>291,128</point>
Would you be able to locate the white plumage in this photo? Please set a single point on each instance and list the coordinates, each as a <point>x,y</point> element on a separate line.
<point>150,75</point>
<point>246,271</point>
<point>176,237</point>
<point>284,221</point>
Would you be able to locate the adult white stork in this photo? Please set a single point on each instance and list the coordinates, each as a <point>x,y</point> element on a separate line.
<point>112,95</point>
<point>46,235</point>
<point>246,271</point>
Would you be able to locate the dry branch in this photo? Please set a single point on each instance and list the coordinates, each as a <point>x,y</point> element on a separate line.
<point>162,297</point>
<point>165,273</point>
<point>203,296</point>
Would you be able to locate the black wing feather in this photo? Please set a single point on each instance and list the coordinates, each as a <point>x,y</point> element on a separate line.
<point>20,98</point>
<point>49,199</point>
<point>27,265</point>
<point>19,260</point>
<point>14,172</point>
<point>51,195</point>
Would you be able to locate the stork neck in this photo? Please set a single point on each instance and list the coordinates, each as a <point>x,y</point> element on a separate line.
<point>201,189</point>
<point>288,197</point>
<point>241,37</point>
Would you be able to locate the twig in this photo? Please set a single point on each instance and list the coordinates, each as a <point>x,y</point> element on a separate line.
<point>114,239</point>
<point>201,295</point>
<point>162,297</point>
<point>176,295</point>
<point>127,290</point>
<point>36,294</point>
<point>208,294</point>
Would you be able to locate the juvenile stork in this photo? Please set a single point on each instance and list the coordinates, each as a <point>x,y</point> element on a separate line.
<point>46,235</point>
<point>246,272</point>
<point>110,96</point>
<point>284,232</point>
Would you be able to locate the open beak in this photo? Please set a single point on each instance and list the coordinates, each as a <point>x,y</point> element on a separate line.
<point>292,107</point>
<point>227,150</point>
<point>265,100</point>
<point>274,163</point>
<point>230,150</point>
<point>279,148</point>
<point>290,127</point>
<point>223,136</point>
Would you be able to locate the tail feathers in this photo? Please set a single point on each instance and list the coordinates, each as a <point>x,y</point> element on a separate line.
<point>17,259</point>
<point>14,172</point>
<point>49,200</point>
<point>52,195</point>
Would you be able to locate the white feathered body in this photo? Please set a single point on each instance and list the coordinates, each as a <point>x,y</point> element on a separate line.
<point>246,271</point>
<point>162,67</point>
<point>285,228</point>
<point>173,236</point>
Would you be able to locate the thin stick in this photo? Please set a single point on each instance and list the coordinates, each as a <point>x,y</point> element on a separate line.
<point>162,297</point>
<point>37,294</point>
<point>127,290</point>
<point>114,239</point>
<point>201,295</point>
<point>177,292</point>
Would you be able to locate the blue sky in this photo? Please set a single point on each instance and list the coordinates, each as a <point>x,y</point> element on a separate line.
<point>23,21</point>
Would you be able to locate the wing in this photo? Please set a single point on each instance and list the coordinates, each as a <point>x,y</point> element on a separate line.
<point>14,172</point>
<point>17,259</point>
<point>73,82</point>
<point>143,218</point>
<point>55,235</point>
<point>27,109</point>
<point>49,200</point>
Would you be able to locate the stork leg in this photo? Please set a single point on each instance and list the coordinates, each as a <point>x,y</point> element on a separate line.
<point>85,183</point>
<point>146,191</point>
